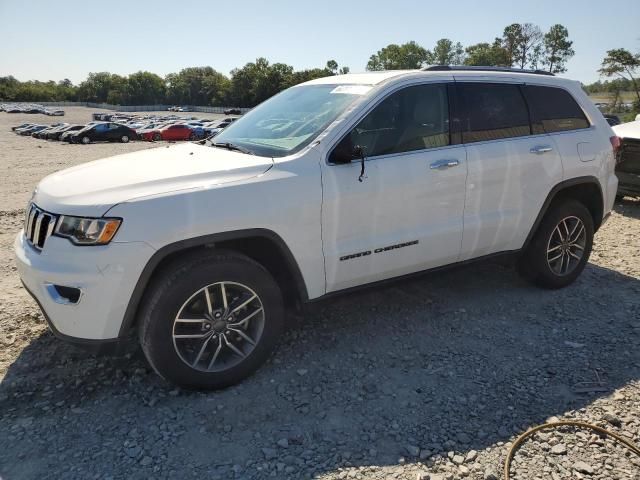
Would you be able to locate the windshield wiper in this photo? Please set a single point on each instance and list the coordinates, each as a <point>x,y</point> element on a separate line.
<point>232,147</point>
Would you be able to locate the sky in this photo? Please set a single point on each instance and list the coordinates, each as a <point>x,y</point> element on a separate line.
<point>53,40</point>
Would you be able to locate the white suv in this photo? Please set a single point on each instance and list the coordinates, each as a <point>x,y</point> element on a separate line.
<point>332,184</point>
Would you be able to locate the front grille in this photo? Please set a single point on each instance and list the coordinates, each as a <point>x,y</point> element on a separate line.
<point>38,226</point>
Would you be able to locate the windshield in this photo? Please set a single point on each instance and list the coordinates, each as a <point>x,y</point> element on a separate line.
<point>290,121</point>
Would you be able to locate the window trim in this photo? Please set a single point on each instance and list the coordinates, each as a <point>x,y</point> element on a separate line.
<point>447,84</point>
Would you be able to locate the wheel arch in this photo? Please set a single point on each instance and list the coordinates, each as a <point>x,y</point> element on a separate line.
<point>262,245</point>
<point>586,190</point>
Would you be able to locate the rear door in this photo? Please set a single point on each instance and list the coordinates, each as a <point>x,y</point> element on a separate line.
<point>510,168</point>
<point>115,131</point>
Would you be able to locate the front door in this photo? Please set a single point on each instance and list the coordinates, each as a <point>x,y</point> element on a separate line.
<point>406,213</point>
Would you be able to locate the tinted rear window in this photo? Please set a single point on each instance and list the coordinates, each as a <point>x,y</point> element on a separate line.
<point>553,110</point>
<point>492,111</point>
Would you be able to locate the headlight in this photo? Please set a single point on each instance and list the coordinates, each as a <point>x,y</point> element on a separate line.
<point>87,231</point>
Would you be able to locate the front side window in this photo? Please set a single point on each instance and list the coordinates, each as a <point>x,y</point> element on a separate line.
<point>414,118</point>
<point>289,121</point>
<point>492,111</point>
<point>553,110</point>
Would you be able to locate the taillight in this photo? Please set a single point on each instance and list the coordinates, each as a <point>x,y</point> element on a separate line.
<point>616,143</point>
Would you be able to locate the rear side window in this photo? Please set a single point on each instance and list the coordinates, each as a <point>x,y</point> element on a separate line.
<point>492,111</point>
<point>553,110</point>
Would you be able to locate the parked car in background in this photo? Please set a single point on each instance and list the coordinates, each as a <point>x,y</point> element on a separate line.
<point>29,130</point>
<point>22,125</point>
<point>232,111</point>
<point>54,113</point>
<point>170,132</point>
<point>104,132</point>
<point>56,133</point>
<point>66,135</point>
<point>43,133</point>
<point>612,119</point>
<point>628,165</point>
<point>213,128</point>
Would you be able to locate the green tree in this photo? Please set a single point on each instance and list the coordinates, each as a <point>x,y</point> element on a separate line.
<point>623,63</point>
<point>557,49</point>
<point>485,54</point>
<point>8,87</point>
<point>409,55</point>
<point>197,86</point>
<point>510,41</point>
<point>257,81</point>
<point>523,43</point>
<point>102,87</point>
<point>332,66</point>
<point>446,53</point>
<point>145,88</point>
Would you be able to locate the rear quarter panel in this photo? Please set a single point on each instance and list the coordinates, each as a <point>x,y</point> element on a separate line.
<point>588,152</point>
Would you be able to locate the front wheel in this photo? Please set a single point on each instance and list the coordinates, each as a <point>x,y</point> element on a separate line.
<point>560,248</point>
<point>210,321</point>
<point>86,140</point>
<point>124,139</point>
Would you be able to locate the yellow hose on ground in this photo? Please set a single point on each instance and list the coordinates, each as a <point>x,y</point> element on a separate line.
<point>511,453</point>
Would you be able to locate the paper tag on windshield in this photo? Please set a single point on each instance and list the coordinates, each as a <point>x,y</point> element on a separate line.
<point>352,89</point>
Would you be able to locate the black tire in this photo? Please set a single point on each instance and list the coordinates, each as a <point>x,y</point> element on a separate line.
<point>178,283</point>
<point>124,139</point>
<point>86,140</point>
<point>157,137</point>
<point>534,266</point>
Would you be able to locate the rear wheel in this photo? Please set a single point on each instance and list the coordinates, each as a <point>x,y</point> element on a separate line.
<point>157,137</point>
<point>86,140</point>
<point>561,247</point>
<point>124,139</point>
<point>211,321</point>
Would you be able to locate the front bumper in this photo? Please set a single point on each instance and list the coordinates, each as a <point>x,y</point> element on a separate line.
<point>106,276</point>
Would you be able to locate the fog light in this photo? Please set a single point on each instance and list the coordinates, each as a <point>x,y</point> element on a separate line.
<point>64,295</point>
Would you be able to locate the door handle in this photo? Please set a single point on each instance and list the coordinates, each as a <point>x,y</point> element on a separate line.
<point>541,149</point>
<point>442,164</point>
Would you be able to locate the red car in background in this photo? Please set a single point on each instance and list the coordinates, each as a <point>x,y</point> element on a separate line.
<point>170,132</point>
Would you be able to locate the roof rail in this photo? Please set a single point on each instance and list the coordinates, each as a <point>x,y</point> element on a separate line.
<point>462,68</point>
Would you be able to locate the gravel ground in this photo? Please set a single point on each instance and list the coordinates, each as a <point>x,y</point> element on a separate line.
<point>429,378</point>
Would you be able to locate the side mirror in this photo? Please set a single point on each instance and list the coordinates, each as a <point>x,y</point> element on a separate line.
<point>345,152</point>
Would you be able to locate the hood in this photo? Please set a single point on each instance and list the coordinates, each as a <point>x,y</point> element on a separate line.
<point>92,188</point>
<point>628,130</point>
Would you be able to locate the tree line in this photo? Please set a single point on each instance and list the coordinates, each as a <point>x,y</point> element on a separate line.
<point>247,86</point>
<point>523,46</point>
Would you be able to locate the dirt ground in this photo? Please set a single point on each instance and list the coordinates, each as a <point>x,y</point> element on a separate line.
<point>428,378</point>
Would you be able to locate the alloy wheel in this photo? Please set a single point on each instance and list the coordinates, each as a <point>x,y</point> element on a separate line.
<point>218,326</point>
<point>566,245</point>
